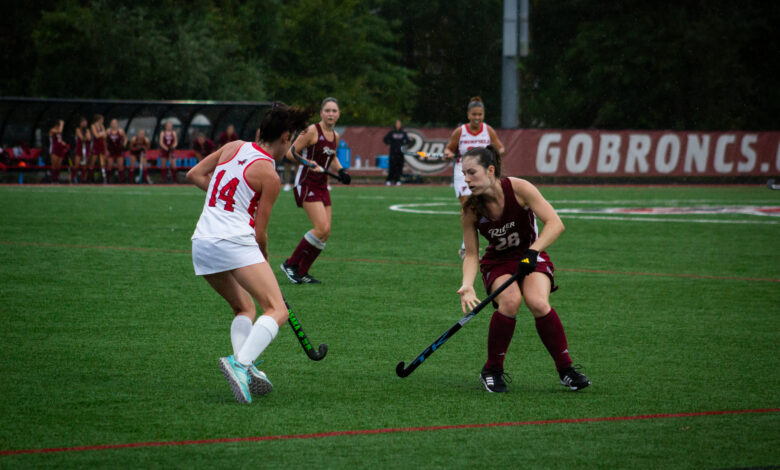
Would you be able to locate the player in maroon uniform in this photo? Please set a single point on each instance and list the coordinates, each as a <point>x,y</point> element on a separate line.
<point>117,140</point>
<point>311,190</point>
<point>139,145</point>
<point>98,146</point>
<point>202,146</point>
<point>83,150</point>
<point>504,211</point>
<point>168,143</point>
<point>228,136</point>
<point>58,149</point>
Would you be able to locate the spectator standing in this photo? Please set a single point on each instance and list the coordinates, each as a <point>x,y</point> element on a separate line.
<point>98,146</point>
<point>228,136</point>
<point>82,153</point>
<point>117,140</point>
<point>396,139</point>
<point>58,150</point>
<point>202,146</point>
<point>168,143</point>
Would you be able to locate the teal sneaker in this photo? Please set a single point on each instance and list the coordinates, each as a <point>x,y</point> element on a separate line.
<point>238,377</point>
<point>260,385</point>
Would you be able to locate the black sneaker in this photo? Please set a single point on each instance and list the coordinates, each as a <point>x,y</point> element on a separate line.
<point>493,380</point>
<point>573,379</point>
<point>291,273</point>
<point>307,279</point>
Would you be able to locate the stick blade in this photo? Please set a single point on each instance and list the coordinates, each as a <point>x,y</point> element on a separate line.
<point>319,354</point>
<point>400,371</point>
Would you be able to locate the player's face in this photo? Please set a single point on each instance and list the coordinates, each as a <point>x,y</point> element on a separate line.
<point>476,117</point>
<point>330,113</point>
<point>476,176</point>
<point>114,124</point>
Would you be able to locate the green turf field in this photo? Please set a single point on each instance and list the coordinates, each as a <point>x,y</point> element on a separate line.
<point>109,340</point>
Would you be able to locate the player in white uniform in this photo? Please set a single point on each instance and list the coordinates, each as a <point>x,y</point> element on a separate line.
<point>466,137</point>
<point>230,243</point>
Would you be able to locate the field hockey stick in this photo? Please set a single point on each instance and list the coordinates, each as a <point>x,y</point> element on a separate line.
<point>312,165</point>
<point>317,355</point>
<point>404,372</point>
<point>426,156</point>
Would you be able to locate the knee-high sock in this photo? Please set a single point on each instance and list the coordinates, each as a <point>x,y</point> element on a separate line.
<point>551,332</point>
<point>502,328</point>
<point>306,252</point>
<point>239,331</point>
<point>263,332</point>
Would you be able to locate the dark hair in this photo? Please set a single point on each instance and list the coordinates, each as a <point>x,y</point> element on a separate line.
<point>83,119</point>
<point>281,118</point>
<point>475,102</point>
<point>327,100</point>
<point>96,117</point>
<point>486,156</point>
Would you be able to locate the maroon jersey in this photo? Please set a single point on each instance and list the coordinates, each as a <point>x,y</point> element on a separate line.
<point>115,146</point>
<point>99,143</point>
<point>167,139</point>
<point>139,147</point>
<point>83,147</point>
<point>57,146</point>
<point>203,149</point>
<point>512,234</point>
<point>322,152</point>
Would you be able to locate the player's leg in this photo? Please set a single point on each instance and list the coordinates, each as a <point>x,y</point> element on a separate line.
<point>536,292</point>
<point>172,167</point>
<point>259,281</point>
<point>463,198</point>
<point>500,333</point>
<point>312,243</point>
<point>54,171</point>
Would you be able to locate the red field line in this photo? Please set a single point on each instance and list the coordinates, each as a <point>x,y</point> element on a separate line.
<point>395,261</point>
<point>362,432</point>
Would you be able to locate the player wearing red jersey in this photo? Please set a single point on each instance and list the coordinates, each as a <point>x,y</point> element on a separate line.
<point>168,143</point>
<point>504,211</point>
<point>98,147</point>
<point>466,137</point>
<point>82,152</point>
<point>58,149</point>
<point>311,190</point>
<point>117,140</point>
<point>230,243</point>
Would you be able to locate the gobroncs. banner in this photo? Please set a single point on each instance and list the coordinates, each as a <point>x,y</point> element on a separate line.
<point>602,153</point>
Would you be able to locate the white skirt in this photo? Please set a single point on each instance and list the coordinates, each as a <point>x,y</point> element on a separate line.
<point>459,181</point>
<point>216,255</point>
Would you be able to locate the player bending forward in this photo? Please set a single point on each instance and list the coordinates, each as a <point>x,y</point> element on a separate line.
<point>230,243</point>
<point>504,211</point>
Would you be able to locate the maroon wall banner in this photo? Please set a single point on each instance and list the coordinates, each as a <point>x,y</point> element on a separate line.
<point>626,153</point>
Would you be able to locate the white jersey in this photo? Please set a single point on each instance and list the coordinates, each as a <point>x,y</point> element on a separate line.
<point>229,210</point>
<point>468,141</point>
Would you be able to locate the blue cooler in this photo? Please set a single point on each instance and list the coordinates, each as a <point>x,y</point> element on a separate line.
<point>344,154</point>
<point>382,161</point>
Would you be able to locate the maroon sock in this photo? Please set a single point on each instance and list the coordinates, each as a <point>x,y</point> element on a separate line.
<point>83,174</point>
<point>551,332</point>
<point>309,255</point>
<point>502,328</point>
<point>295,258</point>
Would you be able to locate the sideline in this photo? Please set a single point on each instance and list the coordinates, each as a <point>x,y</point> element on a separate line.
<point>363,432</point>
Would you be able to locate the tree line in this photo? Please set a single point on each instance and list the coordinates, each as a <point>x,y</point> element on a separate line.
<point>706,64</point>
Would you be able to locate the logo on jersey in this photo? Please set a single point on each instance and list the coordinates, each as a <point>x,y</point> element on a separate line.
<point>500,232</point>
<point>241,162</point>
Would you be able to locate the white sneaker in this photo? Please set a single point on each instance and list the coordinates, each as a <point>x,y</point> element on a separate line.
<point>388,183</point>
<point>287,187</point>
<point>260,385</point>
<point>398,183</point>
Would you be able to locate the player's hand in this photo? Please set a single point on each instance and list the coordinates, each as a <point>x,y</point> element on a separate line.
<point>527,263</point>
<point>468,298</point>
<point>344,176</point>
<point>315,167</point>
<point>448,154</point>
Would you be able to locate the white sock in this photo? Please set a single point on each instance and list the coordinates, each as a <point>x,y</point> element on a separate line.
<point>263,332</point>
<point>462,245</point>
<point>239,330</point>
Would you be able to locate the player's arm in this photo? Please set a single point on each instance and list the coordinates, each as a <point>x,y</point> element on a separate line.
<point>161,142</point>
<point>124,138</point>
<point>175,140</point>
<point>452,145</point>
<point>200,174</point>
<point>496,142</point>
<point>335,163</point>
<point>468,297</point>
<point>265,181</point>
<point>528,195</point>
